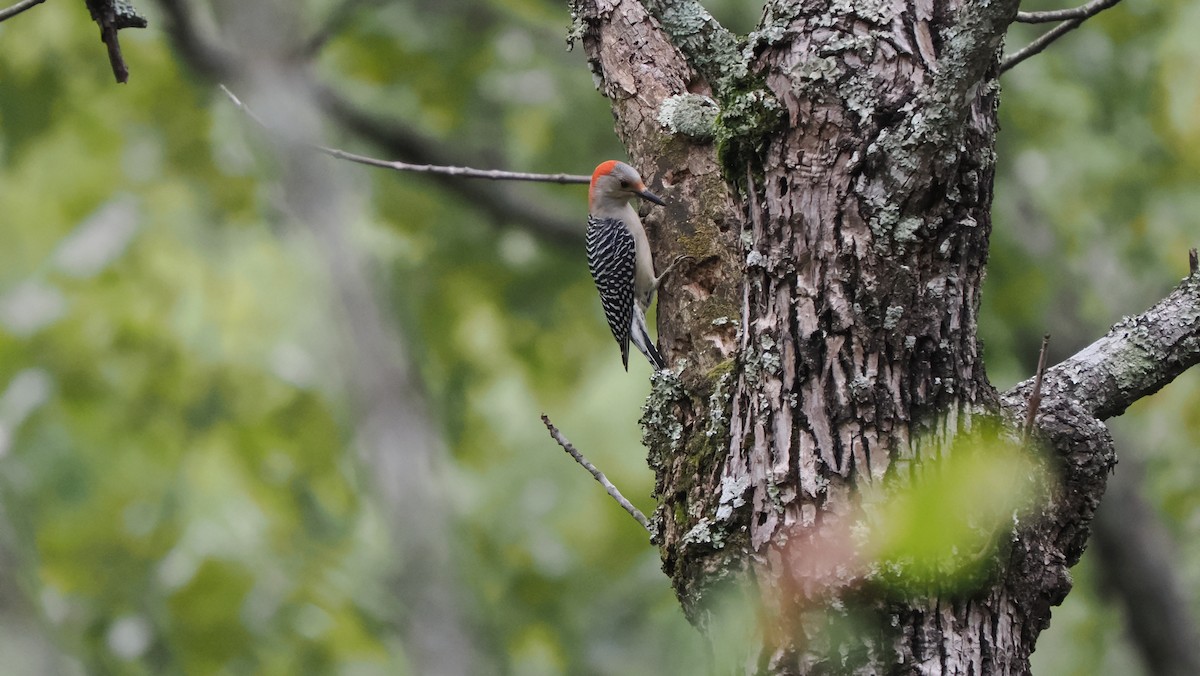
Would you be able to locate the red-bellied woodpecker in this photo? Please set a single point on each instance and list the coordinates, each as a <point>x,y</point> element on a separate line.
<point>619,257</point>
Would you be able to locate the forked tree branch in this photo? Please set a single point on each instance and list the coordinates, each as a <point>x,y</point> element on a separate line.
<point>1136,358</point>
<point>1074,18</point>
<point>616,34</point>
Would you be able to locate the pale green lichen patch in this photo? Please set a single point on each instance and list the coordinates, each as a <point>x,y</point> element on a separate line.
<point>769,34</point>
<point>906,230</point>
<point>689,114</point>
<point>880,12</point>
<point>703,533</point>
<point>816,69</point>
<point>770,358</point>
<point>662,432</point>
<point>575,29</point>
<point>1131,367</point>
<point>733,491</point>
<point>718,403</point>
<point>761,359</point>
<point>748,119</point>
<point>752,112</point>
<point>860,388</point>
<point>712,49</point>
<point>892,317</point>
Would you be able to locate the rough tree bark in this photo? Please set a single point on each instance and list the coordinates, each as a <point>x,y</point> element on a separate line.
<point>832,175</point>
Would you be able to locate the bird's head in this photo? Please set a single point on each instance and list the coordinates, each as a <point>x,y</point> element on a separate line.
<point>614,184</point>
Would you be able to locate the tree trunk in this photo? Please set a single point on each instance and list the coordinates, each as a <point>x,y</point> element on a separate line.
<point>832,176</point>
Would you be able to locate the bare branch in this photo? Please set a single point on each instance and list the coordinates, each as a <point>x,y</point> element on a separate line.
<point>461,172</point>
<point>608,486</point>
<point>501,203</point>
<point>1085,12</point>
<point>1193,262</point>
<point>1039,44</point>
<point>6,14</point>
<point>1035,396</point>
<point>1137,357</point>
<point>1082,12</point>
<point>505,205</point>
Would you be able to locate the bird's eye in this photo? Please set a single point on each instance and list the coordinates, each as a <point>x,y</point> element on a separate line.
<point>625,185</point>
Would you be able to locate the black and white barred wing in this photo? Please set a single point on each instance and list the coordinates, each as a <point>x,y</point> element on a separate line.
<point>610,253</point>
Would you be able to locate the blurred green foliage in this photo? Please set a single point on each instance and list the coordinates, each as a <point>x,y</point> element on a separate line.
<point>939,533</point>
<point>179,482</point>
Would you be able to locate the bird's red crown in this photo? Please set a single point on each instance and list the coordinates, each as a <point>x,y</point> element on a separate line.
<point>604,169</point>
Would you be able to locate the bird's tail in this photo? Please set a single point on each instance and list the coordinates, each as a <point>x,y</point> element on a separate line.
<point>640,336</point>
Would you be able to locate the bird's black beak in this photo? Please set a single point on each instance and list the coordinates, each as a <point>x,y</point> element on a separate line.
<point>651,197</point>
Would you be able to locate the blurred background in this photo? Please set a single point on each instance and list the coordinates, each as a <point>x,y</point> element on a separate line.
<point>264,412</point>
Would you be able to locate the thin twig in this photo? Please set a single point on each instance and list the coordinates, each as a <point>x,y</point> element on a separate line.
<point>461,172</point>
<point>1035,395</point>
<point>1042,42</point>
<point>504,204</point>
<point>16,9</point>
<point>1082,12</point>
<point>612,490</point>
<point>1193,262</point>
